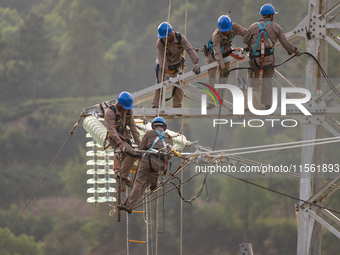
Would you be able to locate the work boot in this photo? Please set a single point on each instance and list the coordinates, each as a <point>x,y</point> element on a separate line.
<point>267,106</point>
<point>127,182</point>
<point>124,208</point>
<point>117,178</point>
<point>153,186</point>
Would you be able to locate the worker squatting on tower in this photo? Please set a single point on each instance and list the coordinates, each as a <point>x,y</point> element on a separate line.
<point>174,60</point>
<point>219,47</point>
<point>261,37</point>
<point>117,118</point>
<point>151,165</point>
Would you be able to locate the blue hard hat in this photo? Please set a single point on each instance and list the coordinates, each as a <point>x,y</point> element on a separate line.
<point>126,100</point>
<point>267,9</point>
<point>224,23</point>
<point>163,28</point>
<point>158,120</point>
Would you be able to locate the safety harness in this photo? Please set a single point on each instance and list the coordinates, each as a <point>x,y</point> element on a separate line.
<point>263,52</point>
<point>175,68</point>
<point>223,45</point>
<point>179,45</point>
<point>162,157</point>
<point>262,34</point>
<point>120,128</point>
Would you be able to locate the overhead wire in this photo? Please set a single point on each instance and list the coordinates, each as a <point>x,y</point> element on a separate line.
<point>180,168</point>
<point>282,194</point>
<point>165,192</point>
<point>254,184</point>
<point>231,8</point>
<point>323,72</point>
<point>329,140</point>
<point>250,149</point>
<point>42,179</point>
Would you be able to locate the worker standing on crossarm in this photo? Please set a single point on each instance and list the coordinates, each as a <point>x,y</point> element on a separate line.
<point>263,35</point>
<point>174,60</point>
<point>151,165</point>
<point>117,118</point>
<point>219,47</point>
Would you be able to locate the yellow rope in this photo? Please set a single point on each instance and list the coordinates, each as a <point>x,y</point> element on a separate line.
<point>113,210</point>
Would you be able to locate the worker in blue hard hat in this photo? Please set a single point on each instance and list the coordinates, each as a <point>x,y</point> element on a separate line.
<point>219,47</point>
<point>152,165</point>
<point>174,61</point>
<point>261,38</point>
<point>117,118</point>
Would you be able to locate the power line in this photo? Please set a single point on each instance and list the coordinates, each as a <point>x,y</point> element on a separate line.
<point>290,145</point>
<point>42,179</point>
<point>254,184</point>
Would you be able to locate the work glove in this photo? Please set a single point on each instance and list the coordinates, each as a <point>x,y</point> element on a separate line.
<point>122,146</point>
<point>205,50</point>
<point>298,53</point>
<point>166,76</point>
<point>196,69</point>
<point>246,49</point>
<point>225,72</point>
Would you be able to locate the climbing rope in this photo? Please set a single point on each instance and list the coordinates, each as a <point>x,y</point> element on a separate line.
<point>163,69</point>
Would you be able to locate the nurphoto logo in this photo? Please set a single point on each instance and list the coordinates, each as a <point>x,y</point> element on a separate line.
<point>239,105</point>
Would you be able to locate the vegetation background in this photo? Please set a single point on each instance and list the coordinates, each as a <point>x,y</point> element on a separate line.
<point>59,56</point>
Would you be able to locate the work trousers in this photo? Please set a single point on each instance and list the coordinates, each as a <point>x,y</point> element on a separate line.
<point>145,176</point>
<point>267,84</point>
<point>212,75</point>
<point>127,161</point>
<point>177,99</point>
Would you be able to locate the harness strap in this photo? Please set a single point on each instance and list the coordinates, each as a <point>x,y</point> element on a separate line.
<point>222,45</point>
<point>160,136</point>
<point>179,46</point>
<point>262,31</point>
<point>118,120</point>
